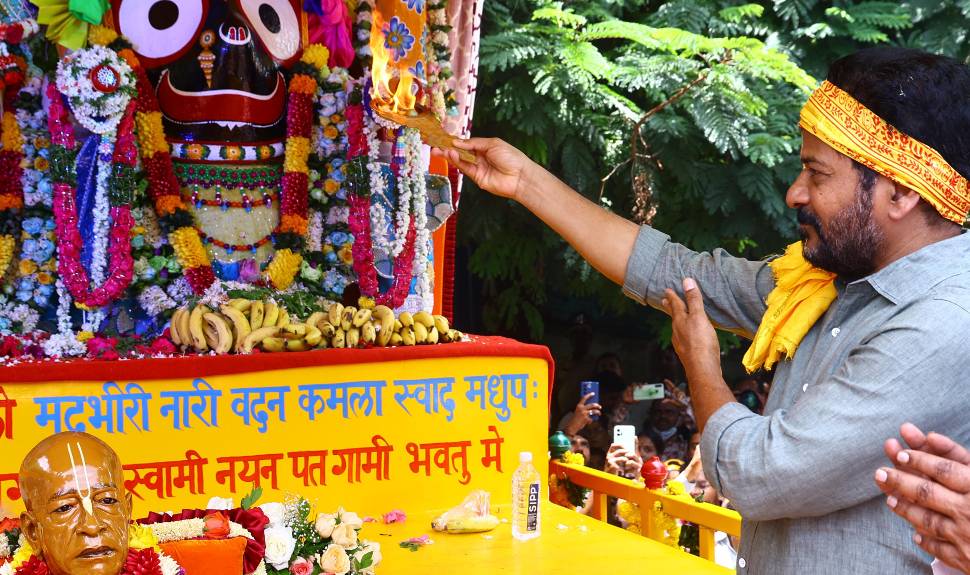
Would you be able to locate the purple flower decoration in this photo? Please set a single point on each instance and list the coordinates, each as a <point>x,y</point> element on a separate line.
<point>416,5</point>
<point>397,38</point>
<point>418,70</point>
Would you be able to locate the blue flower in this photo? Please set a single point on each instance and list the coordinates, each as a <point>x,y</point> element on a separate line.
<point>416,5</point>
<point>40,300</point>
<point>26,284</point>
<point>336,163</point>
<point>342,194</point>
<point>30,248</point>
<point>45,289</point>
<point>33,226</point>
<point>418,69</point>
<point>50,224</point>
<point>24,295</point>
<point>332,257</point>
<point>4,324</point>
<point>397,38</point>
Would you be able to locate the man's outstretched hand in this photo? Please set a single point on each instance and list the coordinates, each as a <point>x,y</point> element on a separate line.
<point>501,168</point>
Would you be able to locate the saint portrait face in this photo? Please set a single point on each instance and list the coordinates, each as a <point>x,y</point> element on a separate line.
<point>216,64</point>
<point>77,511</point>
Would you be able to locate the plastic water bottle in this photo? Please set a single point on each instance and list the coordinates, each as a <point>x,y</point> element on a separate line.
<point>526,496</point>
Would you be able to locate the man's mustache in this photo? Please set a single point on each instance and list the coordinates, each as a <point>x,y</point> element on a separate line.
<point>807,218</point>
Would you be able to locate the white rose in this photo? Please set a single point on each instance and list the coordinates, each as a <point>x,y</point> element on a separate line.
<point>345,536</point>
<point>352,519</point>
<point>274,512</point>
<point>279,546</point>
<point>222,503</point>
<point>324,524</point>
<point>335,560</point>
<point>374,549</point>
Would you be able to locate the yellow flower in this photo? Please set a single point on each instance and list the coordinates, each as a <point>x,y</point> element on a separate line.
<point>316,55</point>
<point>283,268</point>
<point>151,133</point>
<point>83,336</point>
<point>137,231</point>
<point>330,132</point>
<point>297,150</point>
<point>188,247</point>
<point>41,143</point>
<point>6,253</point>
<point>346,254</point>
<point>27,267</point>
<point>141,537</point>
<point>101,35</point>
<point>44,278</point>
<point>10,137</point>
<point>41,164</point>
<point>336,118</point>
<point>573,458</point>
<point>364,302</point>
<point>24,552</point>
<point>303,84</point>
<point>331,187</point>
<point>327,248</point>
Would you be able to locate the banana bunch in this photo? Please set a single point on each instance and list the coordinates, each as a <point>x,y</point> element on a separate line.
<point>349,327</point>
<point>243,325</point>
<point>471,516</point>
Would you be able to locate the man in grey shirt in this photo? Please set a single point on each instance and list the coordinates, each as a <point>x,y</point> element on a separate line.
<point>880,207</point>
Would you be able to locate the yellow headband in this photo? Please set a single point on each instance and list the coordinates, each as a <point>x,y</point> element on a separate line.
<point>850,128</point>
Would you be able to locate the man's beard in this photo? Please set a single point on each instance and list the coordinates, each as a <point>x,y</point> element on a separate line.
<point>850,241</point>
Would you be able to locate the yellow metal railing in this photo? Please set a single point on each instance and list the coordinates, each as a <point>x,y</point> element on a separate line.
<point>709,518</point>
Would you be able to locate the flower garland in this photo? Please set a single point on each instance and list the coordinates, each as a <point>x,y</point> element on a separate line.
<point>667,525</point>
<point>444,101</point>
<point>13,66</point>
<point>65,212</point>
<point>415,172</point>
<point>295,184</point>
<point>562,491</point>
<point>174,216</point>
<point>362,28</point>
<point>144,557</point>
<point>195,528</point>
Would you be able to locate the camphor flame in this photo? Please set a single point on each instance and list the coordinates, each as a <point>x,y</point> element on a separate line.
<point>393,81</point>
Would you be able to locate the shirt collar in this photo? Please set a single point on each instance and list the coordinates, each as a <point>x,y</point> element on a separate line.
<point>912,276</point>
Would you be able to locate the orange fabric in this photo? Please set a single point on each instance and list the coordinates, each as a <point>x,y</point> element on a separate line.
<point>438,238</point>
<point>208,556</point>
<point>842,122</point>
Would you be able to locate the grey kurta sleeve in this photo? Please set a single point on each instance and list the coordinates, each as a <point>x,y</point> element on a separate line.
<point>734,288</point>
<point>819,455</point>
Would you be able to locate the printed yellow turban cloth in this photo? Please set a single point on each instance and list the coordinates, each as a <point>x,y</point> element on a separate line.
<point>802,292</point>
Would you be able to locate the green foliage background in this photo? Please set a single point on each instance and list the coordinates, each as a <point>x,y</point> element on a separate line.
<point>566,81</point>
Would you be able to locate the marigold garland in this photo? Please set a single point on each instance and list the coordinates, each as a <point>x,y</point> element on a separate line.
<point>11,157</point>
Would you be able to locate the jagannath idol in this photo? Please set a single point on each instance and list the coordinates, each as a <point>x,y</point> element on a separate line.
<point>172,151</point>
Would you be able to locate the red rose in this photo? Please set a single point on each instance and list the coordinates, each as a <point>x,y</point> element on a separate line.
<point>15,33</point>
<point>216,526</point>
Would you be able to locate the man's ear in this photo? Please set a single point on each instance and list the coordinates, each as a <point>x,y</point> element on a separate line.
<point>903,201</point>
<point>128,503</point>
<point>31,529</point>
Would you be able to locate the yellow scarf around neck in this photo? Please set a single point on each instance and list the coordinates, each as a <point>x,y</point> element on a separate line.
<point>802,294</point>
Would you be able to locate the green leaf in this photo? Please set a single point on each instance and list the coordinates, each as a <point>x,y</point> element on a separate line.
<point>737,14</point>
<point>249,501</point>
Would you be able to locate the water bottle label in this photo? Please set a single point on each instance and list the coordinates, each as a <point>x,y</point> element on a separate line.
<point>532,518</point>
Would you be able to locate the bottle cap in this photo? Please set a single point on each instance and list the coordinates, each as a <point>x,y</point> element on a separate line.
<point>525,457</point>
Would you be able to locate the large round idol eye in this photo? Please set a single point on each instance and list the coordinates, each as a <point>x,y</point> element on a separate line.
<point>276,25</point>
<point>160,30</point>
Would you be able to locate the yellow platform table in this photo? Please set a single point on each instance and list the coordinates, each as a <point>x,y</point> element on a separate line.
<point>570,543</point>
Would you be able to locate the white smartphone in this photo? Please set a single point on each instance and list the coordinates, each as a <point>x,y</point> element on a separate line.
<point>626,435</point>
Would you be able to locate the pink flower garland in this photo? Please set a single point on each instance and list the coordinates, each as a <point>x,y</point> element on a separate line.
<point>69,240</point>
<point>363,253</point>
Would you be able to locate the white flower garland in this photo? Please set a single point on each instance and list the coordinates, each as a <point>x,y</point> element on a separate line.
<point>415,173</point>
<point>102,224</point>
<point>314,242</point>
<point>365,18</point>
<point>194,529</point>
<point>98,111</point>
<point>155,301</point>
<point>4,547</point>
<point>64,343</point>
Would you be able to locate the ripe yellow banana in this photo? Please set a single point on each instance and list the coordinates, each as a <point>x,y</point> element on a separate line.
<point>196,329</point>
<point>347,318</point>
<point>424,318</point>
<point>407,336</point>
<point>256,314</point>
<point>240,303</point>
<point>258,335</point>
<point>313,335</point>
<point>385,316</point>
<point>339,339</point>
<point>240,324</point>
<point>433,336</point>
<point>173,326</point>
<point>353,337</point>
<point>224,334</point>
<point>396,339</point>
<point>315,318</point>
<point>406,319</point>
<point>334,314</point>
<point>284,319</point>
<point>184,331</point>
<point>361,317</point>
<point>295,331</point>
<point>273,344</point>
<point>466,523</point>
<point>398,326</point>
<point>327,329</point>
<point>211,335</point>
<point>297,345</point>
<point>420,333</point>
<point>368,335</point>
<point>455,335</point>
<point>441,323</point>
<point>271,312</point>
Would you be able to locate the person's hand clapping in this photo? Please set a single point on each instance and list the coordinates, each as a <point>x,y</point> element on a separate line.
<point>500,169</point>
